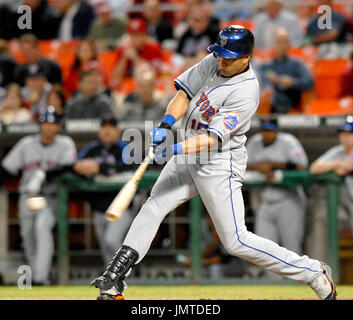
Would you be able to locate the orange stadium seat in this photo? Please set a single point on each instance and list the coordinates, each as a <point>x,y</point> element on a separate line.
<point>306,54</point>
<point>15,51</point>
<point>327,74</point>
<point>108,59</point>
<point>65,61</point>
<point>126,86</point>
<point>327,107</point>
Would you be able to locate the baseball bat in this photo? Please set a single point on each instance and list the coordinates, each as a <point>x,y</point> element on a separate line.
<point>123,199</point>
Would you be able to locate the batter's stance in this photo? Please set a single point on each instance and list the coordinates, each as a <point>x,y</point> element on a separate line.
<point>216,98</point>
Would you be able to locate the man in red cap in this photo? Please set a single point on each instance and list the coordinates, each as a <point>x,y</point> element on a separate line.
<point>137,47</point>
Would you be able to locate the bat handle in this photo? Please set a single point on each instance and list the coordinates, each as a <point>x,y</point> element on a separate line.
<point>150,153</point>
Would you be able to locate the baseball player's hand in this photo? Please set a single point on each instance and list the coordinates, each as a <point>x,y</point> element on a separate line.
<point>86,167</point>
<point>266,169</point>
<point>161,152</point>
<point>344,167</point>
<point>158,136</point>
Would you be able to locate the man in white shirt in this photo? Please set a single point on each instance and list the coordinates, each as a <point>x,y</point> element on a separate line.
<point>272,18</point>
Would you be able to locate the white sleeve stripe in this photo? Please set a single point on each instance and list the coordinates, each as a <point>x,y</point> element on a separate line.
<point>183,85</point>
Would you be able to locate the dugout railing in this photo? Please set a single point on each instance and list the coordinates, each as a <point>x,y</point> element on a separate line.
<point>287,179</point>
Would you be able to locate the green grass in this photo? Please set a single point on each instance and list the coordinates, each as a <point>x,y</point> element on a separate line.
<point>192,292</point>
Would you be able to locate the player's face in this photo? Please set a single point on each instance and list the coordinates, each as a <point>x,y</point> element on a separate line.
<point>232,67</point>
<point>109,134</point>
<point>268,136</point>
<point>346,139</point>
<point>48,131</point>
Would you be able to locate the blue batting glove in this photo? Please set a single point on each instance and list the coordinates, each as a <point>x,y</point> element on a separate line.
<point>159,134</point>
<point>162,151</point>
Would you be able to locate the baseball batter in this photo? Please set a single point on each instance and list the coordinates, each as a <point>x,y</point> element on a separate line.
<point>216,99</point>
<point>31,155</point>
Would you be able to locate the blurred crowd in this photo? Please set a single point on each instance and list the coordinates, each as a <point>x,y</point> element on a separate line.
<point>115,61</point>
<point>89,58</point>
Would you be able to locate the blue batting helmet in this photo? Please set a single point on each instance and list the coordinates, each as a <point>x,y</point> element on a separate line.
<point>347,125</point>
<point>233,42</point>
<point>49,115</point>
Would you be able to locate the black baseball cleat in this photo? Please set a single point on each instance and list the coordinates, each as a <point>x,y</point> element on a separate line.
<point>323,284</point>
<point>107,296</point>
<point>111,283</point>
<point>109,290</point>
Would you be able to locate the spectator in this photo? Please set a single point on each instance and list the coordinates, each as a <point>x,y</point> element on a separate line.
<point>200,33</point>
<point>33,57</point>
<point>106,29</point>
<point>101,79</point>
<point>146,102</point>
<point>233,13</point>
<point>285,77</point>
<point>106,157</point>
<point>280,216</point>
<point>86,58</point>
<point>73,19</point>
<point>8,22</point>
<point>337,159</point>
<point>7,66</point>
<point>12,107</point>
<point>34,156</point>
<point>139,46</point>
<point>43,25</point>
<point>89,102</point>
<point>182,15</point>
<point>36,90</point>
<point>56,98</point>
<point>318,35</point>
<point>121,7</point>
<point>158,28</point>
<point>274,17</point>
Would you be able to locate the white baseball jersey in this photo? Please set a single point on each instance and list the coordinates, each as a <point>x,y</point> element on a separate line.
<point>285,148</point>
<point>30,154</point>
<point>220,105</point>
<point>338,153</point>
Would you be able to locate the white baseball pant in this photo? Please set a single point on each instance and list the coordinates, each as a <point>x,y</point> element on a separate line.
<point>219,185</point>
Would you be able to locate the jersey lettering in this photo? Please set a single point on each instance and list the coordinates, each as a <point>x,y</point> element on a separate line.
<point>203,98</point>
<point>200,125</point>
<point>205,106</point>
<point>210,112</point>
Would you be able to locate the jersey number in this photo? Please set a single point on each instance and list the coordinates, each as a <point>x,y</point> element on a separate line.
<point>197,125</point>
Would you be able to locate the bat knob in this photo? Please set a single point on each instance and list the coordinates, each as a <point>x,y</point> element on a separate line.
<point>112,217</point>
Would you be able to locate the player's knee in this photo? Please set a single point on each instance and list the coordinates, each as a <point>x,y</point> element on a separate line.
<point>233,248</point>
<point>153,209</point>
<point>234,245</point>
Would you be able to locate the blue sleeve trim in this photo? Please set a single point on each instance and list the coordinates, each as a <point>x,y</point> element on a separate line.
<point>217,132</point>
<point>86,149</point>
<point>184,87</point>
